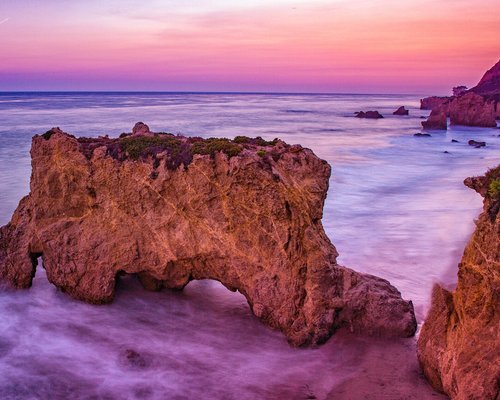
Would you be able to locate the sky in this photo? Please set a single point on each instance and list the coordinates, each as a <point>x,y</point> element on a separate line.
<point>335,46</point>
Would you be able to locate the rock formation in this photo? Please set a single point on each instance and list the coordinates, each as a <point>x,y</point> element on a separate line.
<point>478,106</point>
<point>369,114</point>
<point>459,344</point>
<point>472,109</point>
<point>437,120</point>
<point>401,111</point>
<point>245,212</point>
<point>429,103</point>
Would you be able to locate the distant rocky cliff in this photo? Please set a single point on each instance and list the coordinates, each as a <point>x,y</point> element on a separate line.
<point>246,212</point>
<point>459,345</point>
<point>479,106</point>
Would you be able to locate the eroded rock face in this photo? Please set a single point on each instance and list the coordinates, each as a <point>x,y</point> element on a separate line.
<point>172,209</point>
<point>429,103</point>
<point>459,343</point>
<point>437,120</point>
<point>472,110</point>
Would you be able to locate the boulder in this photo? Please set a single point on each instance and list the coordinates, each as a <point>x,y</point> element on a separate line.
<point>437,120</point>
<point>401,111</point>
<point>472,109</point>
<point>170,209</point>
<point>369,114</point>
<point>141,129</point>
<point>459,344</point>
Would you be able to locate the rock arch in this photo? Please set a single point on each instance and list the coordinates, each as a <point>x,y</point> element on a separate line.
<point>245,212</point>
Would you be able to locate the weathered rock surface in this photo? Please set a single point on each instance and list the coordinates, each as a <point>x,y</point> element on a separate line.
<point>437,120</point>
<point>369,114</point>
<point>472,109</point>
<point>172,209</point>
<point>429,103</point>
<point>459,344</point>
<point>479,106</point>
<point>401,111</point>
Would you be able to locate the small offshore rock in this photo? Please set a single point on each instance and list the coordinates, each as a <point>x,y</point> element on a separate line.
<point>476,144</point>
<point>401,111</point>
<point>369,114</point>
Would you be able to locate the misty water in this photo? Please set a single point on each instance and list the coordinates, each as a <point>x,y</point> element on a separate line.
<point>396,208</point>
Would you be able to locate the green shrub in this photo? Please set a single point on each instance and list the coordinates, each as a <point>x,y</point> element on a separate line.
<point>494,189</point>
<point>142,146</point>
<point>48,134</point>
<point>261,153</point>
<point>213,145</point>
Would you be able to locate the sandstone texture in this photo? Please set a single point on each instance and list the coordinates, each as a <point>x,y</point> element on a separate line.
<point>472,109</point>
<point>401,111</point>
<point>429,103</point>
<point>437,120</point>
<point>369,114</point>
<point>459,344</point>
<point>170,209</point>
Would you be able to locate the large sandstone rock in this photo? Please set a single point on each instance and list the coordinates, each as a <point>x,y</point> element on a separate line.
<point>437,120</point>
<point>459,344</point>
<point>430,103</point>
<point>472,110</point>
<point>172,209</point>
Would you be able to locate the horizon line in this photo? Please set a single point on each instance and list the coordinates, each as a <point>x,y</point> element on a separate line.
<point>207,92</point>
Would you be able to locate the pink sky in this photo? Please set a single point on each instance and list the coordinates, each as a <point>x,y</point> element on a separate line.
<point>358,46</point>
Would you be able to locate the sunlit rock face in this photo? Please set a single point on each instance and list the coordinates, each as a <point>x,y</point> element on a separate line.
<point>245,212</point>
<point>459,343</point>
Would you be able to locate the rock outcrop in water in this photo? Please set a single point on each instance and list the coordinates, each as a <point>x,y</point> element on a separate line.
<point>472,109</point>
<point>401,111</point>
<point>437,120</point>
<point>478,106</point>
<point>459,344</point>
<point>369,114</point>
<point>429,103</point>
<point>245,212</point>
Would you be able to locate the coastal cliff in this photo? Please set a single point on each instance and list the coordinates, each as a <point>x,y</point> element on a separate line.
<point>479,106</point>
<point>459,343</point>
<point>171,209</point>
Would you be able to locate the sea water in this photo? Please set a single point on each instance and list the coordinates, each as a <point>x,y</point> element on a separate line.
<point>396,208</point>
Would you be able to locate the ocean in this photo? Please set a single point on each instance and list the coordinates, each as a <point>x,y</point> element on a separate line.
<point>396,208</point>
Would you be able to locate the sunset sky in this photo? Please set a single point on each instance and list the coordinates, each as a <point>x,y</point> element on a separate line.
<point>358,46</point>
